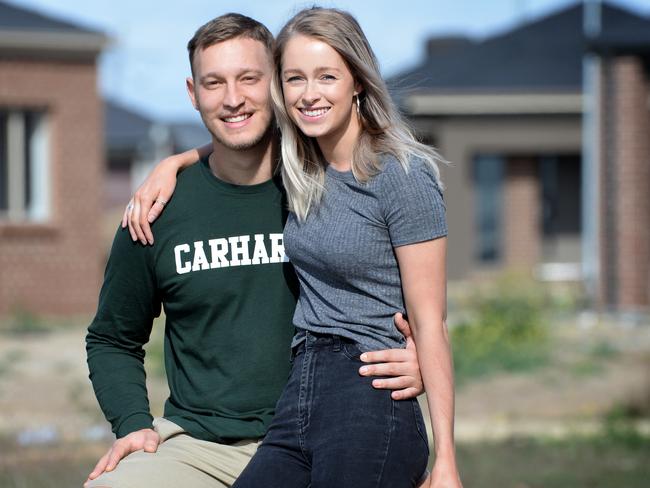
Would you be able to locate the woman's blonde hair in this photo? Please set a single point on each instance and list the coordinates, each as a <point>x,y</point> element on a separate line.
<point>383,129</point>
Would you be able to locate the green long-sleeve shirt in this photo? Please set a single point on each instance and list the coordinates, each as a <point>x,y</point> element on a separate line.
<point>219,270</point>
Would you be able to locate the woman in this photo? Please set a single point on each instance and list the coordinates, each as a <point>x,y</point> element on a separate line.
<point>367,239</point>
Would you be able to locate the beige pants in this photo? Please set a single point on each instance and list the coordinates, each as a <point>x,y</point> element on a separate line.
<point>180,461</point>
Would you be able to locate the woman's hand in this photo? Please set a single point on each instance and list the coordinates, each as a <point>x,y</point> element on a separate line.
<point>150,200</point>
<point>444,475</point>
<point>151,197</point>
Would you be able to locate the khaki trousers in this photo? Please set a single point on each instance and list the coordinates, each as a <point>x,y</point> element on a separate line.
<point>180,461</point>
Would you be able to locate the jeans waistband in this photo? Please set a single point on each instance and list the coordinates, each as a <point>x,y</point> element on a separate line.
<point>316,339</point>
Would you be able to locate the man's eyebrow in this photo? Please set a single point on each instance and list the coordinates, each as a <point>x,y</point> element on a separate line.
<point>244,72</point>
<point>255,72</point>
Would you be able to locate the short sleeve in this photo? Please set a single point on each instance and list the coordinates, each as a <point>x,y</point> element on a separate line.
<point>413,206</point>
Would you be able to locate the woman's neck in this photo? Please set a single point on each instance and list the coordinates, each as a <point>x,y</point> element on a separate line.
<point>338,147</point>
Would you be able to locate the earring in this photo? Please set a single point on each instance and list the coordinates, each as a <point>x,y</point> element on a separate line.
<point>358,105</point>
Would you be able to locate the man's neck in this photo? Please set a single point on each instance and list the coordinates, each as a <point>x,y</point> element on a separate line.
<point>247,166</point>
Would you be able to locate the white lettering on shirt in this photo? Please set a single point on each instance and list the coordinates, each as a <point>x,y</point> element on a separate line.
<point>229,251</point>
<point>186,267</point>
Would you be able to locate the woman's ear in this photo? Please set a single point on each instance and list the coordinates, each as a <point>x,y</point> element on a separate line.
<point>358,88</point>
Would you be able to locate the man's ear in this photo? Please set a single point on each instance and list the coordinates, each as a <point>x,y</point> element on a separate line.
<point>189,83</point>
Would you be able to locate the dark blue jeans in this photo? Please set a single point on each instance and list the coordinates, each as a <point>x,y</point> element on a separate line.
<point>332,429</point>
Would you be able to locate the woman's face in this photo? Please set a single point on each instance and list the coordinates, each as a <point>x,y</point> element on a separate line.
<point>318,89</point>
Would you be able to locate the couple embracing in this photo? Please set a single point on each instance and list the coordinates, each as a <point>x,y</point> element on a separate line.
<point>289,248</point>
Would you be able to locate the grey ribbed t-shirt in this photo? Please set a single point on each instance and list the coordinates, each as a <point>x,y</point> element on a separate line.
<point>343,253</point>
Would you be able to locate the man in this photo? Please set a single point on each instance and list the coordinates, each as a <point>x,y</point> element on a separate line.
<point>219,270</point>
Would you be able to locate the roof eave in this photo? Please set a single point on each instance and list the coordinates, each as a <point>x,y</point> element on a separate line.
<point>51,44</point>
<point>618,48</point>
<point>471,104</point>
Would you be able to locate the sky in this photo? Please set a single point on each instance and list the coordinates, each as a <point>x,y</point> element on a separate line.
<point>145,64</point>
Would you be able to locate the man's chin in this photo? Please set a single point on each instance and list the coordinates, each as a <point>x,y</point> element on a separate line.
<point>239,146</point>
<point>242,144</point>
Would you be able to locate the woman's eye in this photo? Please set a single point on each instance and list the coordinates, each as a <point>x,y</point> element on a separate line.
<point>328,77</point>
<point>293,79</point>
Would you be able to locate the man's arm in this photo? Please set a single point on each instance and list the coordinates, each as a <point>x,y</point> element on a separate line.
<point>400,365</point>
<point>128,303</point>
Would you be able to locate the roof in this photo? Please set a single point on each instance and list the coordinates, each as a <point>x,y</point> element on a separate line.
<point>544,55</point>
<point>187,135</point>
<point>13,17</point>
<point>128,131</point>
<point>25,32</point>
<point>622,32</point>
<point>124,129</point>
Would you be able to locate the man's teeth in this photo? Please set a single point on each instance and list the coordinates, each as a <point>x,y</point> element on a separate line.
<point>237,118</point>
<point>315,113</point>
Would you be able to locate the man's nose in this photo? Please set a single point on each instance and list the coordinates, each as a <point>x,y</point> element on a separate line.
<point>233,98</point>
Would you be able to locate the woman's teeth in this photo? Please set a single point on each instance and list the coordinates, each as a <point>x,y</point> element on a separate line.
<point>314,113</point>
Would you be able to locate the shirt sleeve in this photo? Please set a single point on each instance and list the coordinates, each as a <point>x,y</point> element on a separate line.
<point>414,209</point>
<point>128,304</point>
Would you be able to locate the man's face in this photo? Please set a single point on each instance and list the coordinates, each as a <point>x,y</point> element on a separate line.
<point>231,90</point>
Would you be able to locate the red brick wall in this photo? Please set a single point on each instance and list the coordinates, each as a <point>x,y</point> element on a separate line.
<point>632,170</point>
<point>56,267</point>
<point>522,207</point>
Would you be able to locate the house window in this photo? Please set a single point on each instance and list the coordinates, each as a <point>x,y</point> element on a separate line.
<point>24,166</point>
<point>488,179</point>
<point>561,185</point>
<point>561,208</point>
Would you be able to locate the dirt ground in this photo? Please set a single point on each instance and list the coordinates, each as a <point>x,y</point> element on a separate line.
<point>46,397</point>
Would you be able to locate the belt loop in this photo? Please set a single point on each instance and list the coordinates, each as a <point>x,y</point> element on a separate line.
<point>336,344</point>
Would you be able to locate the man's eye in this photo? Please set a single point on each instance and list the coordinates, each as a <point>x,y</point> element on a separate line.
<point>249,79</point>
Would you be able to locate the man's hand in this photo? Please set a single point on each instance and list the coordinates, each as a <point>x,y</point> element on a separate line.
<point>400,364</point>
<point>145,439</point>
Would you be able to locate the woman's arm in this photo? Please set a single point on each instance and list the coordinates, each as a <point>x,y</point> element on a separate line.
<point>151,197</point>
<point>423,272</point>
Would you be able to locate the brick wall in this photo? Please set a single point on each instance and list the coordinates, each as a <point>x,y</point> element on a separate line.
<point>632,175</point>
<point>56,267</point>
<point>522,213</point>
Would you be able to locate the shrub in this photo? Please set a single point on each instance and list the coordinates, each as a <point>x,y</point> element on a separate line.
<point>504,329</point>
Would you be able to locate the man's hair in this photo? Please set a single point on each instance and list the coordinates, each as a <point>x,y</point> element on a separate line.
<point>226,27</point>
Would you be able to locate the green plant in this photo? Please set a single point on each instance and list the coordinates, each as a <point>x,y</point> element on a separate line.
<point>22,320</point>
<point>504,329</point>
<point>154,349</point>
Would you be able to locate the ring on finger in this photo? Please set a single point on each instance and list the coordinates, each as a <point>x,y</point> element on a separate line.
<point>161,202</point>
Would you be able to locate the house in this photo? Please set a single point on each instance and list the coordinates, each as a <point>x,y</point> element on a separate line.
<point>135,142</point>
<point>548,129</point>
<point>51,164</point>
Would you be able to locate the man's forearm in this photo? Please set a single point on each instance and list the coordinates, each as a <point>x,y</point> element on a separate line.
<point>119,381</point>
